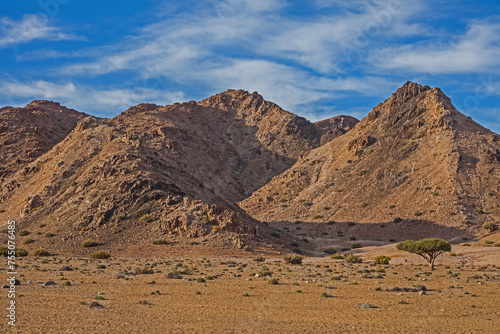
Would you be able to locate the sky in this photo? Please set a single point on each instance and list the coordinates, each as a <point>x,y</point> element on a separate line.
<point>318,58</point>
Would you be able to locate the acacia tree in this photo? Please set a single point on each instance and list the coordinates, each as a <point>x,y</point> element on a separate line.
<point>429,248</point>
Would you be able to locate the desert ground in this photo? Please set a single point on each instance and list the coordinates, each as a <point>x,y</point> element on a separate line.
<point>230,292</point>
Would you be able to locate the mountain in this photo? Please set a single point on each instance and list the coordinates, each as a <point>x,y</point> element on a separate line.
<point>336,126</point>
<point>157,171</point>
<point>29,132</point>
<point>414,158</point>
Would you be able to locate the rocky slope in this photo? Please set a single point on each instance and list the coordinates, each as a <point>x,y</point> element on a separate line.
<point>27,133</point>
<point>414,157</point>
<point>154,171</point>
<point>336,126</point>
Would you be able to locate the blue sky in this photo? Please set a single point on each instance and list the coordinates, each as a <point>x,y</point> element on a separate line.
<point>318,58</point>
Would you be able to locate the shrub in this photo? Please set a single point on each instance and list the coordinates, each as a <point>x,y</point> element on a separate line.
<point>330,250</point>
<point>275,234</point>
<point>293,259</point>
<point>265,272</point>
<point>354,246</point>
<point>351,224</point>
<point>337,256</point>
<point>259,259</point>
<point>21,252</point>
<point>331,222</point>
<point>273,281</point>
<point>143,271</point>
<point>28,241</point>
<point>351,258</point>
<point>23,233</point>
<point>362,204</point>
<point>490,226</point>
<point>147,218</point>
<point>398,220</point>
<point>305,240</point>
<point>49,235</point>
<point>429,248</point>
<point>362,172</point>
<point>100,255</point>
<point>41,252</point>
<point>160,242</point>
<point>382,259</point>
<point>89,243</point>
<point>174,274</point>
<point>488,242</point>
<point>294,244</point>
<point>215,229</point>
<point>4,251</point>
<point>317,216</point>
<point>352,238</point>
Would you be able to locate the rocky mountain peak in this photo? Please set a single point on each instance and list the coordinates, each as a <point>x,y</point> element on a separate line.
<point>408,91</point>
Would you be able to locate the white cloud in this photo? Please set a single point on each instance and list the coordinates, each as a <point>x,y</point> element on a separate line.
<point>256,29</point>
<point>105,102</point>
<point>477,51</point>
<point>31,27</point>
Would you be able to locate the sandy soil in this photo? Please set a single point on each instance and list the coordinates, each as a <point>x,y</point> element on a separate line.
<point>320,296</point>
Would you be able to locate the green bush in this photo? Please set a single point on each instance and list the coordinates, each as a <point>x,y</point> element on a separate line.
<point>362,204</point>
<point>337,256</point>
<point>4,251</point>
<point>143,271</point>
<point>265,272</point>
<point>89,243</point>
<point>160,242</point>
<point>100,255</point>
<point>382,259</point>
<point>28,241</point>
<point>351,258</point>
<point>147,218</point>
<point>293,259</point>
<point>398,220</point>
<point>294,244</point>
<point>490,226</point>
<point>41,252</point>
<point>275,234</point>
<point>21,252</point>
<point>330,250</point>
<point>273,281</point>
<point>23,233</point>
<point>354,246</point>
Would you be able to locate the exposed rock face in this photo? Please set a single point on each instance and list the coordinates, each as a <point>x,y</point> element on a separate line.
<point>336,126</point>
<point>173,170</point>
<point>414,156</point>
<point>179,170</point>
<point>29,132</point>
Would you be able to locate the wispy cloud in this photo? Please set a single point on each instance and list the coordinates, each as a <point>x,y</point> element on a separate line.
<point>251,44</point>
<point>476,51</point>
<point>105,101</point>
<point>29,28</point>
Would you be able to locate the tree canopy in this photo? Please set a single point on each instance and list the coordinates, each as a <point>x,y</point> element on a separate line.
<point>429,248</point>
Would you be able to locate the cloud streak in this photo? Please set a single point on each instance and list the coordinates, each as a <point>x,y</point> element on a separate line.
<point>29,28</point>
<point>477,51</point>
<point>104,101</point>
